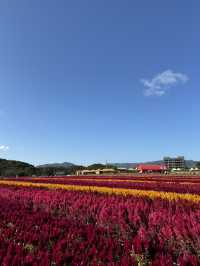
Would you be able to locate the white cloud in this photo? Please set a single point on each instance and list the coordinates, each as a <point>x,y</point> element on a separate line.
<point>159,84</point>
<point>4,148</point>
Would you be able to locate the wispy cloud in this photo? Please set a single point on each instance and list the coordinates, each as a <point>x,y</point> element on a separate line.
<point>159,84</point>
<point>4,148</point>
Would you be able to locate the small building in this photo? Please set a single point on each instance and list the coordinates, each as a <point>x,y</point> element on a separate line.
<point>122,170</point>
<point>86,172</point>
<point>175,170</point>
<point>96,171</point>
<point>196,169</point>
<point>132,170</point>
<point>151,168</point>
<point>107,171</point>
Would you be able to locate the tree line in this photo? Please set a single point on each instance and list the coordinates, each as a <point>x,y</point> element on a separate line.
<point>11,168</point>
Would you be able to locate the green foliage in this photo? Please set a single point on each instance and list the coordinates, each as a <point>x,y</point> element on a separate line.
<point>13,168</point>
<point>10,168</point>
<point>198,164</point>
<point>101,166</point>
<point>51,171</point>
<point>111,166</point>
<point>96,166</point>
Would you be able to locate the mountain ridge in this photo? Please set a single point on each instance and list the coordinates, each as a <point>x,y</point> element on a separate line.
<point>64,165</point>
<point>14,167</point>
<point>189,164</point>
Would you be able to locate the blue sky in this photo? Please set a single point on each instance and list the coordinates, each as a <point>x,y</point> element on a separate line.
<point>90,81</point>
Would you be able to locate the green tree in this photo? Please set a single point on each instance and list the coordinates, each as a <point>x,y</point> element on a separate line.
<point>198,164</point>
<point>96,166</point>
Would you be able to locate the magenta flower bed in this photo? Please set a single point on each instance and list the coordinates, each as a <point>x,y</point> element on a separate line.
<point>156,186</point>
<point>46,227</point>
<point>174,179</point>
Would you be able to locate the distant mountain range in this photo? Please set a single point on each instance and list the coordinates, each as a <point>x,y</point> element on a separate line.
<point>189,164</point>
<point>13,168</point>
<point>64,165</point>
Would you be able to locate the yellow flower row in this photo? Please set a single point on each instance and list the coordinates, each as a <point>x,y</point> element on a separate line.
<point>117,191</point>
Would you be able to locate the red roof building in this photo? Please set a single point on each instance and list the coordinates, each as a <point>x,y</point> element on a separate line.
<point>151,168</point>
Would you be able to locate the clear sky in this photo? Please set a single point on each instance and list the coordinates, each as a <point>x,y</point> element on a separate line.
<point>90,81</point>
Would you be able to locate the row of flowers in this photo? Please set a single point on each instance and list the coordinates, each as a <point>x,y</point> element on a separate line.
<point>59,227</point>
<point>152,194</point>
<point>128,184</point>
<point>174,179</point>
<point>98,179</point>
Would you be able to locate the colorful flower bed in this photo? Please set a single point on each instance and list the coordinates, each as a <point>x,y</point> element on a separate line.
<point>155,185</point>
<point>159,183</point>
<point>56,223</point>
<point>158,178</point>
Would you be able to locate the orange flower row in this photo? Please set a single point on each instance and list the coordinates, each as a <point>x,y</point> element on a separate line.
<point>117,191</point>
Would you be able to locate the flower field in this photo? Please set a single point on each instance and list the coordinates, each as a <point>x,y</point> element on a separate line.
<point>100,221</point>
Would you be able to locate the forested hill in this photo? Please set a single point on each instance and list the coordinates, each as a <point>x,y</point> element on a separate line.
<point>13,168</point>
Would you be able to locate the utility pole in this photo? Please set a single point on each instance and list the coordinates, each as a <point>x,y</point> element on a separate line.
<point>106,163</point>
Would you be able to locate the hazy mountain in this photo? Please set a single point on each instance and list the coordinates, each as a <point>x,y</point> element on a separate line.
<point>189,164</point>
<point>13,168</point>
<point>64,165</point>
